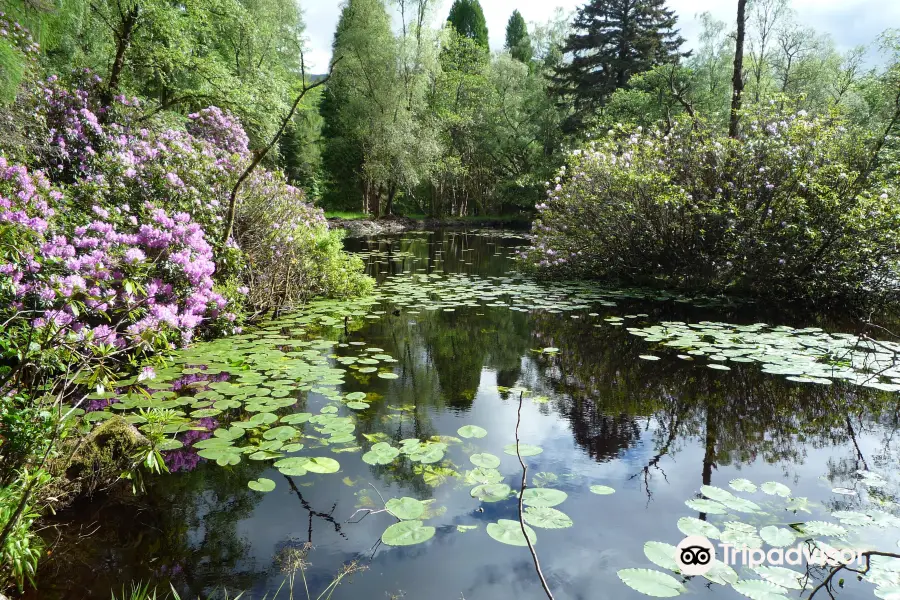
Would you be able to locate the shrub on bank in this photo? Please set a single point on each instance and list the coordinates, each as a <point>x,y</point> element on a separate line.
<point>794,209</point>
<point>114,241</point>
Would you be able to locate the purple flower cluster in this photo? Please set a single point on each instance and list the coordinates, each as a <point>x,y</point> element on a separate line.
<point>84,277</point>
<point>18,36</point>
<point>186,458</point>
<point>221,128</point>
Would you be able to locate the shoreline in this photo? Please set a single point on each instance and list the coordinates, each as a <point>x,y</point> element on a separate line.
<point>389,225</point>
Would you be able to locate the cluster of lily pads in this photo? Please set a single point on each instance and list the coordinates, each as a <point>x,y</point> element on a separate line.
<point>488,487</point>
<point>808,355</point>
<point>769,521</point>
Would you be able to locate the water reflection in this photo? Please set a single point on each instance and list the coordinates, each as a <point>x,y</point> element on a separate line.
<point>655,431</point>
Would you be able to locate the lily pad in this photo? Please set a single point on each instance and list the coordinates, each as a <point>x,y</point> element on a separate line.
<point>407,533</point>
<point>296,418</point>
<point>543,497</point>
<point>485,460</point>
<point>662,555</point>
<point>471,431</point>
<point>694,526</point>
<point>261,485</point>
<point>381,453</point>
<point>742,485</point>
<point>778,537</point>
<point>524,450</point>
<point>405,509</point>
<point>491,492</point>
<point>774,488</point>
<point>602,490</point>
<point>706,506</point>
<point>509,532</point>
<point>651,583</point>
<point>786,578</point>
<point>547,518</point>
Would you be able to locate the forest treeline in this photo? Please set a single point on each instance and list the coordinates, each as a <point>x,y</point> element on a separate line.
<point>420,116</point>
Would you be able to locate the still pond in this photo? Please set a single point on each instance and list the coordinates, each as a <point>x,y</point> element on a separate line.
<point>631,403</point>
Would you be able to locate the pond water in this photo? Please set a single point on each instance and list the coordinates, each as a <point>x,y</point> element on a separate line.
<point>616,390</point>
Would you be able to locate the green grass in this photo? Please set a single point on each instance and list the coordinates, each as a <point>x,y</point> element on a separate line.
<point>341,214</point>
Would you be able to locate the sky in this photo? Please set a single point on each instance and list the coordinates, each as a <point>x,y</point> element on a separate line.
<point>849,22</point>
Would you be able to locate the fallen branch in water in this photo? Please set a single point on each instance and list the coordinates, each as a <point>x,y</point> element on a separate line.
<point>537,563</point>
<point>827,583</point>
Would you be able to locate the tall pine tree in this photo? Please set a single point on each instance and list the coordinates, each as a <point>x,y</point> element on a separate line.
<point>517,40</point>
<point>612,40</point>
<point>468,19</point>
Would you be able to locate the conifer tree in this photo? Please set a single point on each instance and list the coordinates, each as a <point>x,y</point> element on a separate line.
<point>518,41</point>
<point>467,18</point>
<point>611,41</point>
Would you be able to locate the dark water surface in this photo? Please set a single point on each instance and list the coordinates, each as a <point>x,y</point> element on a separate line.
<point>653,430</point>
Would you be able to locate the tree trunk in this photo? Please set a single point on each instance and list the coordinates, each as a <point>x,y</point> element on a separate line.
<point>737,79</point>
<point>392,192</point>
<point>123,41</point>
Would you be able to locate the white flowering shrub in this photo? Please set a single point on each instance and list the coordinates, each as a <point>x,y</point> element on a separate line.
<point>795,209</point>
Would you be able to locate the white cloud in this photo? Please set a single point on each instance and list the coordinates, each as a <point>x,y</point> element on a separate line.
<point>849,22</point>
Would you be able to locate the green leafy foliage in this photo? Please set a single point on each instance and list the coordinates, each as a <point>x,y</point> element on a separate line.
<point>792,209</point>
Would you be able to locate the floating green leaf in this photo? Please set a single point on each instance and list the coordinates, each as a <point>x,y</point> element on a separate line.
<point>773,488</point>
<point>381,453</point>
<point>261,485</point>
<point>283,433</point>
<point>510,532</point>
<point>491,492</point>
<point>545,517</point>
<point>524,450</point>
<point>481,475</point>
<point>407,533</point>
<point>471,431</point>
<point>694,526</point>
<point>781,576</point>
<point>662,555</point>
<point>651,583</point>
<point>706,506</point>
<point>296,418</point>
<point>741,535</point>
<point>543,497</point>
<point>742,485</point>
<point>485,460</point>
<point>721,573</point>
<point>823,528</point>
<point>602,490</point>
<point>779,537</point>
<point>405,509</point>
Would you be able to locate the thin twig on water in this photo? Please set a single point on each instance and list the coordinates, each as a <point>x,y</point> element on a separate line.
<point>537,563</point>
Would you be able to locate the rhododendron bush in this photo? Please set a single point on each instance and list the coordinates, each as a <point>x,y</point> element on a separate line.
<point>798,208</point>
<point>110,242</point>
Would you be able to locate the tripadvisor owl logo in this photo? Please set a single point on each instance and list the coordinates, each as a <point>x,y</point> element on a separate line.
<point>695,555</point>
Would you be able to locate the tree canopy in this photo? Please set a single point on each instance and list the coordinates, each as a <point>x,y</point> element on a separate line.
<point>611,41</point>
<point>467,18</point>
<point>518,42</point>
